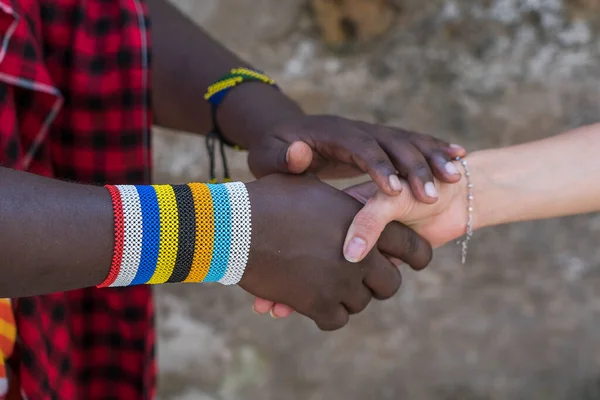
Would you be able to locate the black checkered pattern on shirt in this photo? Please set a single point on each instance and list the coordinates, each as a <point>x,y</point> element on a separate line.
<point>74,104</point>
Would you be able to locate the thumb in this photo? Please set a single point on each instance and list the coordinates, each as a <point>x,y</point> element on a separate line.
<point>368,225</point>
<point>299,157</point>
<point>277,155</point>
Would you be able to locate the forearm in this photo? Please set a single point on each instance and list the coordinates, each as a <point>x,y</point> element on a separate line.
<point>185,62</point>
<point>58,236</point>
<point>55,235</point>
<point>554,177</point>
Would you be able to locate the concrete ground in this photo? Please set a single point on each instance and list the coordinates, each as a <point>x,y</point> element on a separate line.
<point>520,321</point>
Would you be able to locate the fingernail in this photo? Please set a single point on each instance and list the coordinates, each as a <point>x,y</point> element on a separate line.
<point>254,310</point>
<point>273,314</point>
<point>456,146</point>
<point>451,168</point>
<point>287,154</point>
<point>395,183</point>
<point>430,190</point>
<point>355,249</point>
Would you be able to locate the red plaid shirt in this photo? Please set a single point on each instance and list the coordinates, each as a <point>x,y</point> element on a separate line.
<point>75,104</point>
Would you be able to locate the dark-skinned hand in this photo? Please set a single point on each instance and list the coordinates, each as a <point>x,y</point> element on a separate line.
<point>298,229</point>
<point>336,147</point>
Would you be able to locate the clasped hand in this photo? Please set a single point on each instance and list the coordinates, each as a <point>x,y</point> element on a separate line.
<point>305,269</point>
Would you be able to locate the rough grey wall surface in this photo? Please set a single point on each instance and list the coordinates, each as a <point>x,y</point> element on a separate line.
<point>520,321</point>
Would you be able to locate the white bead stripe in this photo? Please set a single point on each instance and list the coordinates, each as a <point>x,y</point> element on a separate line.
<point>241,233</point>
<point>132,246</point>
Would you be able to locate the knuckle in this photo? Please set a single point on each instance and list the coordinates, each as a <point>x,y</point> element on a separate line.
<point>412,243</point>
<point>329,296</point>
<point>439,142</point>
<point>392,133</point>
<point>359,300</point>
<point>368,223</point>
<point>426,259</point>
<point>424,138</point>
<point>400,139</point>
<point>430,146</point>
<point>339,320</point>
<point>332,321</point>
<point>394,208</point>
<point>323,323</point>
<point>395,282</point>
<point>326,326</point>
<point>390,282</point>
<point>356,308</point>
<point>363,302</point>
<point>361,307</point>
<point>420,168</point>
<point>381,164</point>
<point>417,137</point>
<point>439,157</point>
<point>366,140</point>
<point>415,245</point>
<point>370,154</point>
<point>436,153</point>
<point>315,303</point>
<point>405,140</point>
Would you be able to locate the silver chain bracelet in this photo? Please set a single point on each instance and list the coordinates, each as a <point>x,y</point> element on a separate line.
<point>469,228</point>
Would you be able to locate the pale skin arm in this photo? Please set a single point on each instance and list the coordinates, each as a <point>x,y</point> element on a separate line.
<point>549,178</point>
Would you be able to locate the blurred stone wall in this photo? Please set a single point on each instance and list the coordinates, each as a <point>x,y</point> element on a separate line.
<point>520,321</point>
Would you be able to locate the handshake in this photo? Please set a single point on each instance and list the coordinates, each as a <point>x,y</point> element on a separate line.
<point>296,253</point>
<point>315,251</point>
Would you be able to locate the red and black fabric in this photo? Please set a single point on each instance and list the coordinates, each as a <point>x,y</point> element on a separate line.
<point>75,105</point>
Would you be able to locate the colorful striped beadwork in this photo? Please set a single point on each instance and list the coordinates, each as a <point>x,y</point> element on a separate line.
<point>179,233</point>
<point>204,233</point>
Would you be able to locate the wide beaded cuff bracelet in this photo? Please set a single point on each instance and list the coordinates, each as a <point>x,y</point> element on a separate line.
<point>180,233</point>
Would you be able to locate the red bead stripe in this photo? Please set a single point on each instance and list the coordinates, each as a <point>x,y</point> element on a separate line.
<point>119,236</point>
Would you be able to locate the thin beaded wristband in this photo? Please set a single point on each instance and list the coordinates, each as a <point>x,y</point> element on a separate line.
<point>215,94</point>
<point>180,233</point>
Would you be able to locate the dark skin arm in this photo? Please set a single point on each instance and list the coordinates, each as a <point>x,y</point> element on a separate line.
<point>186,60</point>
<point>55,235</point>
<point>58,236</point>
<point>277,133</point>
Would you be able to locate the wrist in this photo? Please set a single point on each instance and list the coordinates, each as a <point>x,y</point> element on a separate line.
<point>250,111</point>
<point>484,167</point>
